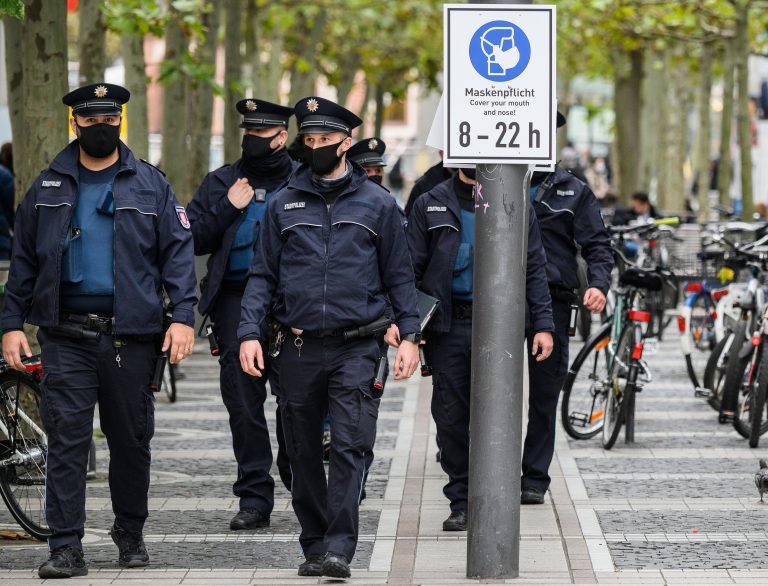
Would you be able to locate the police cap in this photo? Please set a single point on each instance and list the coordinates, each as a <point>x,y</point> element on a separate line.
<point>318,115</point>
<point>259,114</point>
<point>97,99</point>
<point>368,152</point>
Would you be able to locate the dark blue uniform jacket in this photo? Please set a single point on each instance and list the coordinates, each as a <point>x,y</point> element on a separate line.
<point>152,249</point>
<point>434,235</point>
<point>568,213</point>
<point>214,224</point>
<point>330,268</point>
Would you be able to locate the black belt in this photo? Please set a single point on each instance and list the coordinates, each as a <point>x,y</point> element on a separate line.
<point>102,324</point>
<point>461,310</point>
<point>559,293</point>
<point>321,334</point>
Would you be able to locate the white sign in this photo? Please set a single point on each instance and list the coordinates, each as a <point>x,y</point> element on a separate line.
<point>500,104</point>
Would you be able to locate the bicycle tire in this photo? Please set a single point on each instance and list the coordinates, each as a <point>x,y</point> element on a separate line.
<point>759,425</point>
<point>714,373</point>
<point>734,370</point>
<point>32,473</point>
<point>616,402</point>
<point>704,323</point>
<point>169,383</point>
<point>570,411</point>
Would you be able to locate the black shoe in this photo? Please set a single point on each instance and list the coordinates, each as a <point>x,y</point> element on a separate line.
<point>64,562</point>
<point>312,566</point>
<point>133,552</point>
<point>532,496</point>
<point>456,522</point>
<point>249,519</point>
<point>363,495</point>
<point>335,565</point>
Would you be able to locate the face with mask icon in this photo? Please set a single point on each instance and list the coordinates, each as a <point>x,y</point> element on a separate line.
<point>323,152</point>
<point>98,135</point>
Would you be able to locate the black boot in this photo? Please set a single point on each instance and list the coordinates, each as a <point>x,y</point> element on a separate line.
<point>532,496</point>
<point>64,562</point>
<point>335,565</point>
<point>133,552</point>
<point>249,519</point>
<point>312,566</point>
<point>456,522</point>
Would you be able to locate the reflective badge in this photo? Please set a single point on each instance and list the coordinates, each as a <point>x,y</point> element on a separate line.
<point>181,214</point>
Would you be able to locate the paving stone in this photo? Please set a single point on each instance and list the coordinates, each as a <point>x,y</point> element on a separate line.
<point>702,556</point>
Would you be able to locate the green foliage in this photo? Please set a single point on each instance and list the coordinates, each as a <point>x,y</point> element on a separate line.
<point>13,8</point>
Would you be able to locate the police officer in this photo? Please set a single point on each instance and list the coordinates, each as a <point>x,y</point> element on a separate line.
<point>441,238</point>
<point>569,214</point>
<point>225,215</point>
<point>369,153</point>
<point>332,250</point>
<point>98,238</point>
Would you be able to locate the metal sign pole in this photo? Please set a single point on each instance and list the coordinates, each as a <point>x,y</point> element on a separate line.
<point>498,330</point>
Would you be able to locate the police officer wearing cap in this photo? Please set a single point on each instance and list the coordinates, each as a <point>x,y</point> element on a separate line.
<point>441,238</point>
<point>568,214</point>
<point>331,251</point>
<point>369,153</point>
<point>226,214</point>
<point>99,238</point>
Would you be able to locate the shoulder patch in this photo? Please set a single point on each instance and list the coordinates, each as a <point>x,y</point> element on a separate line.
<point>159,170</point>
<point>181,214</point>
<point>51,184</point>
<point>437,209</point>
<point>295,205</point>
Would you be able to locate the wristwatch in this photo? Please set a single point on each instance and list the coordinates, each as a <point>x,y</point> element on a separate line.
<point>413,338</point>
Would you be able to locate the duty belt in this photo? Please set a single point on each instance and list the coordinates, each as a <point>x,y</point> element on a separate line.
<point>560,293</point>
<point>461,310</point>
<point>94,322</point>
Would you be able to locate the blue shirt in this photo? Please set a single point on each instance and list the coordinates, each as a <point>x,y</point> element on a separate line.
<point>463,270</point>
<point>87,266</point>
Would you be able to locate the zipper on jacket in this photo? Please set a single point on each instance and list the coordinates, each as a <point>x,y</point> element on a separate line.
<point>327,239</point>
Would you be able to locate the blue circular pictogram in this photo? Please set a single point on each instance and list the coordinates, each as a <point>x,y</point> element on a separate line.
<point>499,51</point>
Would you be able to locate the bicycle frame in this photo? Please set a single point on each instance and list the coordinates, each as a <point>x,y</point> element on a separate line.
<point>17,457</point>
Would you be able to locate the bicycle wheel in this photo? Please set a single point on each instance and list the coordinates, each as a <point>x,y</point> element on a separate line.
<point>584,390</point>
<point>747,389</point>
<point>734,372</point>
<point>169,383</point>
<point>23,448</point>
<point>703,324</point>
<point>759,421</point>
<point>617,389</point>
<point>714,373</point>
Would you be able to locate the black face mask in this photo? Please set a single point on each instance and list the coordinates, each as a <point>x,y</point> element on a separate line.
<point>471,173</point>
<point>322,160</point>
<point>376,178</point>
<point>258,147</point>
<point>99,140</point>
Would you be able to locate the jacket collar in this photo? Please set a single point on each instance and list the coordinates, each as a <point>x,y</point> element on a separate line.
<point>67,160</point>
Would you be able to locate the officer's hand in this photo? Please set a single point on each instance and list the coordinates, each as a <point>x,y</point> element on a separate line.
<point>240,194</point>
<point>407,360</point>
<point>542,346</point>
<point>392,337</point>
<point>13,343</point>
<point>594,300</point>
<point>180,338</point>
<point>251,357</point>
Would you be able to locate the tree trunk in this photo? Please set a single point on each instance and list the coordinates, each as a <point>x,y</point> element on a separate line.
<point>742,112</point>
<point>13,65</point>
<point>173,160</point>
<point>677,128</point>
<point>359,132</point>
<point>91,40</point>
<point>704,131</point>
<point>563,107</point>
<point>379,120</point>
<point>726,122</point>
<point>232,79</point>
<point>347,79</point>
<point>303,82</point>
<point>200,106</point>
<point>44,82</point>
<point>653,87</point>
<point>254,81</point>
<point>628,82</point>
<point>136,81</point>
<point>273,74</point>
<point>661,106</point>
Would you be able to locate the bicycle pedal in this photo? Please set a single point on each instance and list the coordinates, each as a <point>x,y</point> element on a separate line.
<point>702,393</point>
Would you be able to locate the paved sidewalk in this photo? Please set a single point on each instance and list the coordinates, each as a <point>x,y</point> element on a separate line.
<point>678,507</point>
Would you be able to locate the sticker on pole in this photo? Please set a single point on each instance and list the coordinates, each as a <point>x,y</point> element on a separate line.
<point>500,104</point>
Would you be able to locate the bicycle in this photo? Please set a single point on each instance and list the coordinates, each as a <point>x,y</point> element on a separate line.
<point>23,447</point>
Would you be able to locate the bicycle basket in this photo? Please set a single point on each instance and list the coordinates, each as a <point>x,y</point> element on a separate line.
<point>642,279</point>
<point>701,265</point>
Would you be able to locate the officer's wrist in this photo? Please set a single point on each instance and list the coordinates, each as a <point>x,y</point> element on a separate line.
<point>412,337</point>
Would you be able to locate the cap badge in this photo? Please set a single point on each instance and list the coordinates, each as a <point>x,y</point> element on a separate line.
<point>312,105</point>
<point>251,105</point>
<point>372,144</point>
<point>100,91</point>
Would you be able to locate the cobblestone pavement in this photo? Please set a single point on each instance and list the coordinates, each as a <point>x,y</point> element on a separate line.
<point>677,507</point>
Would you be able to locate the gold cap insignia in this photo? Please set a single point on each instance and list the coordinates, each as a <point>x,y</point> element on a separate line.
<point>251,105</point>
<point>312,105</point>
<point>100,91</point>
<point>372,144</point>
